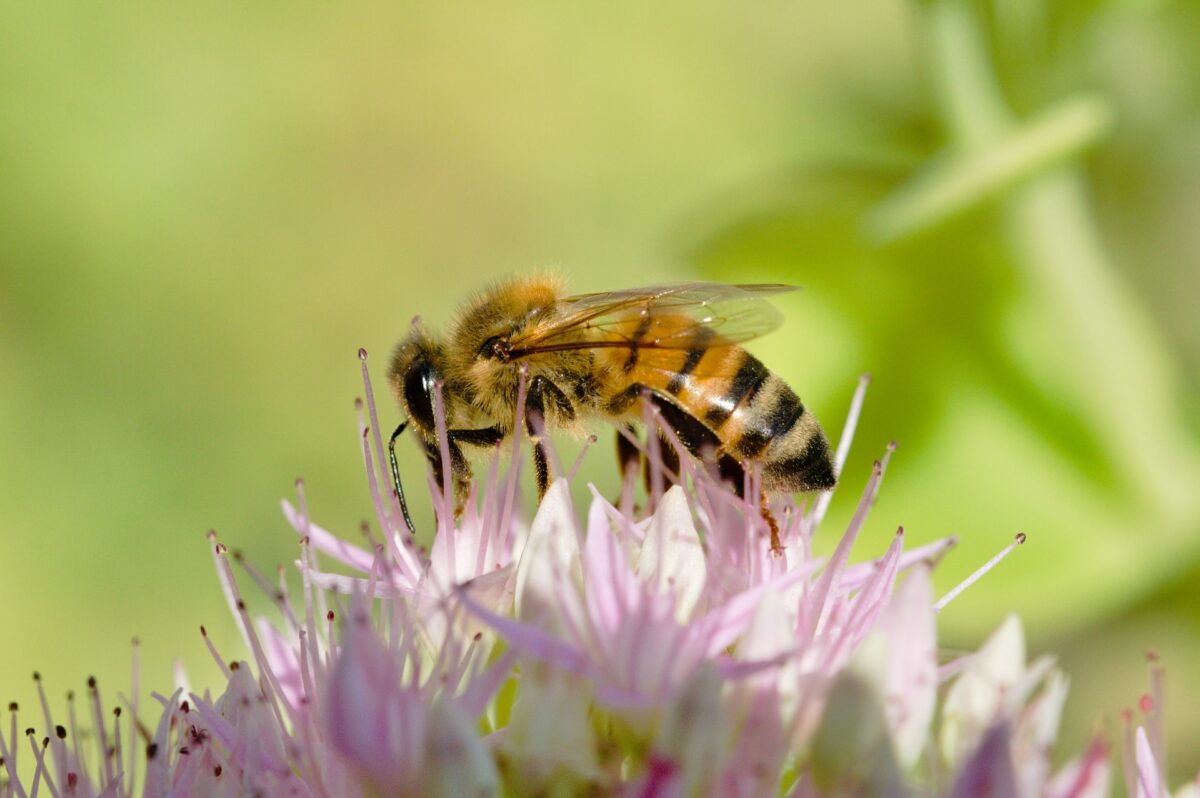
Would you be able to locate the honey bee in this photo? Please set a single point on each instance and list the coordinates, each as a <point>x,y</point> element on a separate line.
<point>603,355</point>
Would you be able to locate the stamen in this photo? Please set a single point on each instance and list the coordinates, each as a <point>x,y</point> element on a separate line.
<point>135,686</point>
<point>1128,758</point>
<point>979,572</point>
<point>98,721</point>
<point>40,769</point>
<point>225,574</point>
<point>212,650</point>
<point>812,608</point>
<point>404,558</point>
<point>8,754</point>
<point>1155,727</point>
<point>448,499</point>
<point>579,460</point>
<point>373,415</point>
<point>515,461</point>
<point>59,755</point>
<point>310,623</point>
<point>843,447</point>
<point>490,510</point>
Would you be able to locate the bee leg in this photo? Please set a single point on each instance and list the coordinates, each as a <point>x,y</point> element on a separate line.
<point>668,464</point>
<point>540,389</point>
<point>764,509</point>
<point>460,472</point>
<point>627,454</point>
<point>488,436</point>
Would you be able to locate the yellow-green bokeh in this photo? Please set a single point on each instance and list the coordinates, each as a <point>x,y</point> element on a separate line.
<point>205,209</point>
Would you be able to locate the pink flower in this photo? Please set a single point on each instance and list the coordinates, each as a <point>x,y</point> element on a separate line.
<point>666,653</point>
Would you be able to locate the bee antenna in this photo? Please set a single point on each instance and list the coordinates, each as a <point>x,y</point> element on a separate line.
<point>396,486</point>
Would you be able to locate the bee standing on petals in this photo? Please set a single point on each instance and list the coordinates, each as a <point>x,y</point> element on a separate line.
<point>603,355</point>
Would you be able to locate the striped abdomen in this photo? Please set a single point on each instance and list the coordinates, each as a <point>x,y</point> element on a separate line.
<point>750,410</point>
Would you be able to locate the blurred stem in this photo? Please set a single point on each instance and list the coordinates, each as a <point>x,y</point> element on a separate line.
<point>958,181</point>
<point>1120,376</point>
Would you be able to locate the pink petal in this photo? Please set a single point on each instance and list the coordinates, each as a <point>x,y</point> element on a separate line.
<point>1149,780</point>
<point>1089,776</point>
<point>327,542</point>
<point>909,629</point>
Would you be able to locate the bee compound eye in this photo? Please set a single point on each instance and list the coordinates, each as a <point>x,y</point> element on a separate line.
<point>418,387</point>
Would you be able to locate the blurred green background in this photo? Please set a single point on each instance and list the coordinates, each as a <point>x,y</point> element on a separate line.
<point>205,209</point>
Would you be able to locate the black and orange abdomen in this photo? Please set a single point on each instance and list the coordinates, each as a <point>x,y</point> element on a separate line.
<point>753,413</point>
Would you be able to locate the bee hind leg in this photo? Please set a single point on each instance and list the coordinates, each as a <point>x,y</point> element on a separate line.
<point>627,453</point>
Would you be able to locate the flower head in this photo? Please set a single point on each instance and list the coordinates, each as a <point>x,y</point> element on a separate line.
<point>666,652</point>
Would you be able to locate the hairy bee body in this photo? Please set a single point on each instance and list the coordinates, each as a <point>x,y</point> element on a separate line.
<point>602,355</point>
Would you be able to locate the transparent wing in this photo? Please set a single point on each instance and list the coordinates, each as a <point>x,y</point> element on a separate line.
<point>677,316</point>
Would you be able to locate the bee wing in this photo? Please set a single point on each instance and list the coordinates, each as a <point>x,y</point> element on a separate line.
<point>721,314</point>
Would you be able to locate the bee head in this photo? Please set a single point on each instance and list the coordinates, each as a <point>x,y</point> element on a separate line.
<point>418,366</point>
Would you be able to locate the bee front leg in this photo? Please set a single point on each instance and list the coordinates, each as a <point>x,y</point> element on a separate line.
<point>460,471</point>
<point>541,389</point>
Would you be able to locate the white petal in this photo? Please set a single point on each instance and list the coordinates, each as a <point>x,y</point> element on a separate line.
<point>852,752</point>
<point>771,632</point>
<point>457,763</point>
<point>693,733</point>
<point>910,688</point>
<point>672,559</point>
<point>551,553</point>
<point>550,735</point>
<point>976,699</point>
<point>1037,732</point>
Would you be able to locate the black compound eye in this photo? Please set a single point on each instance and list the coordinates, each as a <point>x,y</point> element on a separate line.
<point>418,393</point>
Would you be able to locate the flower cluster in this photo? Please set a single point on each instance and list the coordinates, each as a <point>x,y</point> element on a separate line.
<point>655,653</point>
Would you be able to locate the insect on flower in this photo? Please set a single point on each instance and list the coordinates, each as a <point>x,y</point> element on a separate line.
<point>603,355</point>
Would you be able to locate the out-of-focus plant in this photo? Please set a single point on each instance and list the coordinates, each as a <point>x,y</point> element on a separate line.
<point>962,240</point>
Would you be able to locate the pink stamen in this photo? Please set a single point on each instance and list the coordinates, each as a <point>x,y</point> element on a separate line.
<point>310,621</point>
<point>591,439</point>
<point>393,515</point>
<point>225,573</point>
<point>978,574</point>
<point>1128,758</point>
<point>101,734</point>
<point>815,606</point>
<point>135,694</point>
<point>1155,726</point>
<point>843,447</point>
<point>446,508</point>
<point>392,529</point>
<point>40,770</point>
<point>212,650</point>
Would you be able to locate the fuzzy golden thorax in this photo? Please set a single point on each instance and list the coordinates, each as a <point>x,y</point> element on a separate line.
<point>490,383</point>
